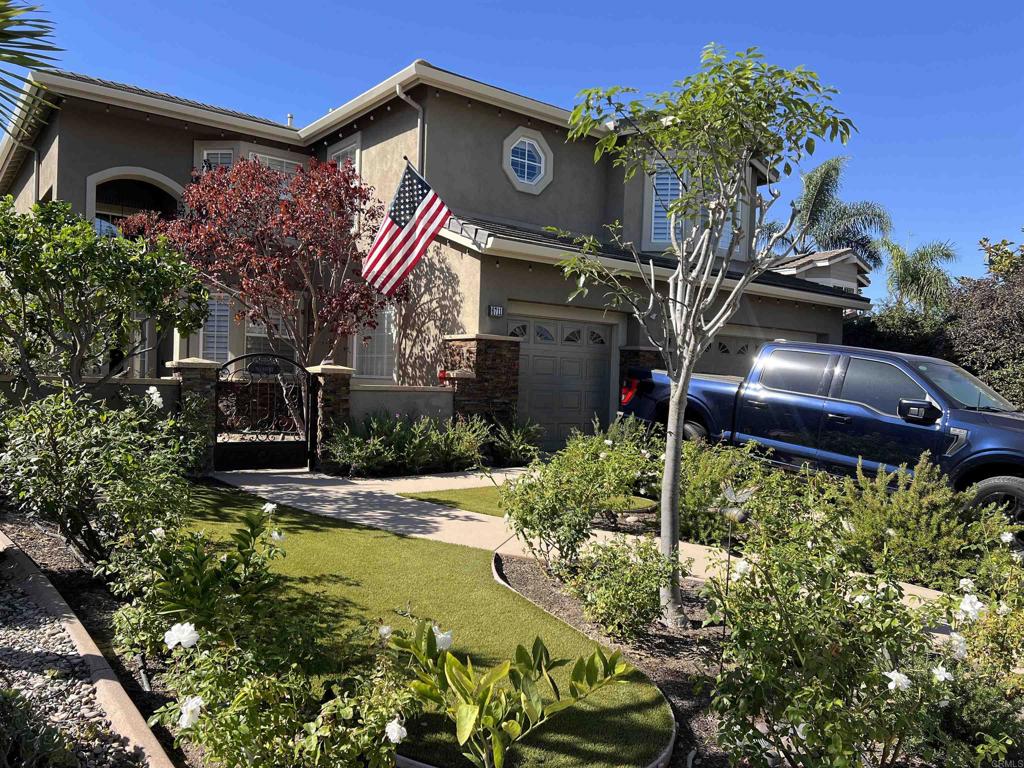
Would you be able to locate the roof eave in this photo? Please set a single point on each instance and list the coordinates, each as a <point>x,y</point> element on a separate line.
<point>503,247</point>
<point>421,72</point>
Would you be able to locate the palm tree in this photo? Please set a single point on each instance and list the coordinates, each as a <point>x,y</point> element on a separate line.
<point>827,223</point>
<point>25,44</point>
<point>918,279</point>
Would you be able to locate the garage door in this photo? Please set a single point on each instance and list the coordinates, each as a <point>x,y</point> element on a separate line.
<point>732,352</point>
<point>563,374</point>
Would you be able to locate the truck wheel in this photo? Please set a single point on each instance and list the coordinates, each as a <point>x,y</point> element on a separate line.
<point>693,430</point>
<point>1006,490</point>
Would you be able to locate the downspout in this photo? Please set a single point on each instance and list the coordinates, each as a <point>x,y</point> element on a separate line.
<point>420,127</point>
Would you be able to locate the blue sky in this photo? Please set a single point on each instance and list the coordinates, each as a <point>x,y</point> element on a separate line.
<point>935,88</point>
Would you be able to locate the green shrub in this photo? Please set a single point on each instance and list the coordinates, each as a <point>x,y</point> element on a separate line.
<point>228,592</point>
<point>552,506</point>
<point>825,666</point>
<point>383,445</point>
<point>491,711</point>
<point>619,583</point>
<point>706,470</point>
<point>26,739</point>
<point>105,478</point>
<point>915,527</point>
<point>515,444</point>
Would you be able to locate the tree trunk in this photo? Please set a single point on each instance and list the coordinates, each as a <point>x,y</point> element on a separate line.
<point>671,598</point>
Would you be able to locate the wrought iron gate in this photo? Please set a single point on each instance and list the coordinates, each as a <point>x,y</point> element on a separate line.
<point>266,413</point>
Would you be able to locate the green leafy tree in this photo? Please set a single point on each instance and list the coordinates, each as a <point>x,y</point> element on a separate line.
<point>1004,257</point>
<point>828,223</point>
<point>736,117</point>
<point>69,297</point>
<point>918,279</point>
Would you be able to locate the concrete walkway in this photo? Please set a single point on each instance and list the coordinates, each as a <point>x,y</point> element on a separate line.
<point>376,503</point>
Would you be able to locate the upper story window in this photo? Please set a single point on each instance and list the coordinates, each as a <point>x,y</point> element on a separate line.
<point>666,190</point>
<point>527,160</point>
<point>217,158</point>
<point>279,164</point>
<point>346,151</point>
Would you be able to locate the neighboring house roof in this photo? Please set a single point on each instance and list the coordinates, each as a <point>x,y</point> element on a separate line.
<point>488,236</point>
<point>803,262</point>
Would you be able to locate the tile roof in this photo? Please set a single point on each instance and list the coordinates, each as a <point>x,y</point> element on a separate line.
<point>526,234</point>
<point>136,90</point>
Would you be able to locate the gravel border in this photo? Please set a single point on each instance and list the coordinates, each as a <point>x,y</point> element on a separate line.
<point>102,692</point>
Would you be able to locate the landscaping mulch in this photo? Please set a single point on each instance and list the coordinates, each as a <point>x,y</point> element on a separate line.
<point>39,660</point>
<point>675,659</point>
<point>94,606</point>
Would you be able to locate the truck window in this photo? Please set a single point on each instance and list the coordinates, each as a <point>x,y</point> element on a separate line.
<point>878,385</point>
<point>794,371</point>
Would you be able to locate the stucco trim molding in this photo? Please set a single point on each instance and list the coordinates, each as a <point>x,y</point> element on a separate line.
<point>134,172</point>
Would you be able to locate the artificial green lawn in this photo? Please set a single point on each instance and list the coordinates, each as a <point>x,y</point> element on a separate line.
<point>379,576</point>
<point>483,500</point>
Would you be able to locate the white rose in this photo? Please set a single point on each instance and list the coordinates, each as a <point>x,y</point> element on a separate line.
<point>269,508</point>
<point>155,397</point>
<point>966,585</point>
<point>971,607</point>
<point>1003,609</point>
<point>741,569</point>
<point>276,536</point>
<point>385,632</point>
<point>940,674</point>
<point>158,533</point>
<point>443,639</point>
<point>190,709</point>
<point>184,635</point>
<point>608,442</point>
<point>898,681</point>
<point>395,731</point>
<point>1006,537</point>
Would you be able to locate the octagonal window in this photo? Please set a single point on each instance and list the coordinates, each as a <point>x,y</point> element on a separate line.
<point>527,161</point>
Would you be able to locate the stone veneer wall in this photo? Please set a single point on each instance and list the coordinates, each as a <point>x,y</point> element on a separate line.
<point>491,386</point>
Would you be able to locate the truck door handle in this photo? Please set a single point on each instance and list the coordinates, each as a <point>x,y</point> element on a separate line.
<point>838,418</point>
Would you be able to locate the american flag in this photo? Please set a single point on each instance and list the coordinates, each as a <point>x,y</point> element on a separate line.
<point>415,217</point>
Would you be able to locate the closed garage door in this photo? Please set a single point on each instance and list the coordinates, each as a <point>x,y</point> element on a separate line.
<point>563,374</point>
<point>732,351</point>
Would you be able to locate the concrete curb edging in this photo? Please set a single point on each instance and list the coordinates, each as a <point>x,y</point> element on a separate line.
<point>125,719</point>
<point>662,760</point>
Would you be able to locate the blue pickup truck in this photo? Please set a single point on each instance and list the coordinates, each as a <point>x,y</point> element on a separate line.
<point>832,406</point>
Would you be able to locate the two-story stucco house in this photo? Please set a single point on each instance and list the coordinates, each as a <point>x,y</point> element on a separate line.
<point>488,296</point>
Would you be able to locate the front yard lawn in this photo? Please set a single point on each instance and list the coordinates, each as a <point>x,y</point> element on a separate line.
<point>376,575</point>
<point>485,500</point>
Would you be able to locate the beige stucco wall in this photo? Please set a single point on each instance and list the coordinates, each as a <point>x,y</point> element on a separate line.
<point>47,145</point>
<point>464,153</point>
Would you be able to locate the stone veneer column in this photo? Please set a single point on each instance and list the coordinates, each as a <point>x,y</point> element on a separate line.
<point>333,406</point>
<point>484,374</point>
<point>198,377</point>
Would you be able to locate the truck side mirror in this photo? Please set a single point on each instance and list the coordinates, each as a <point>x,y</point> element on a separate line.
<point>918,411</point>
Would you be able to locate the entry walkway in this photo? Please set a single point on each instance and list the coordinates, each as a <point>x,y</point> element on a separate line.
<point>376,503</point>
